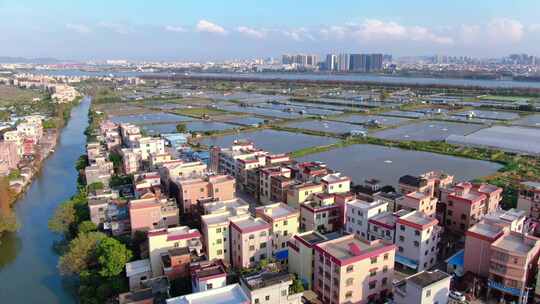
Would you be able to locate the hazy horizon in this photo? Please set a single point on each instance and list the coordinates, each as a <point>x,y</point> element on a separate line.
<point>241,29</point>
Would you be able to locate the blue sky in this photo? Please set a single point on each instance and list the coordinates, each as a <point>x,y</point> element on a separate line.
<point>227,29</point>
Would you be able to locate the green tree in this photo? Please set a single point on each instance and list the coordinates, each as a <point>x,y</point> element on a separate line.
<point>64,217</point>
<point>181,128</point>
<point>81,163</point>
<point>297,286</point>
<point>112,257</point>
<point>116,159</point>
<point>95,186</point>
<point>86,226</point>
<point>81,253</point>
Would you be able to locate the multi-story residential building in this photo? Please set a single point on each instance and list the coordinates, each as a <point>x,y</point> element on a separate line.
<point>189,190</point>
<point>514,258</point>
<point>357,215</point>
<point>170,170</point>
<point>309,171</point>
<point>417,240</point>
<point>426,287</point>
<point>224,295</point>
<point>17,138</point>
<point>353,270</point>
<point>529,199</point>
<point>324,213</point>
<point>148,182</point>
<point>301,255</point>
<point>429,183</point>
<point>160,241</point>
<point>284,222</point>
<point>479,237</point>
<point>151,212</point>
<point>31,130</point>
<point>9,156</point>
<point>226,160</point>
<point>270,288</point>
<point>99,173</point>
<point>300,193</point>
<point>131,160</point>
<point>150,145</point>
<point>383,226</point>
<point>269,191</point>
<point>215,223</point>
<point>336,183</point>
<point>207,275</point>
<point>419,201</point>
<point>250,241</point>
<point>130,135</point>
<point>465,204</point>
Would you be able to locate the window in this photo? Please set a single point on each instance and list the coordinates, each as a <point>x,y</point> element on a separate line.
<point>285,232</point>
<point>202,190</point>
<point>401,238</point>
<point>251,237</point>
<point>251,248</point>
<point>416,244</point>
<point>373,260</point>
<point>350,268</point>
<point>384,281</point>
<point>372,272</point>
<point>385,269</point>
<point>263,233</point>
<point>401,227</point>
<point>372,284</point>
<point>385,256</point>
<point>428,293</point>
<point>348,294</point>
<point>218,230</point>
<point>284,293</point>
<point>219,241</point>
<point>263,245</point>
<point>285,222</point>
<point>217,190</point>
<point>257,301</point>
<point>209,286</point>
<point>349,281</point>
<point>252,259</point>
<point>400,249</point>
<point>449,212</point>
<point>416,232</point>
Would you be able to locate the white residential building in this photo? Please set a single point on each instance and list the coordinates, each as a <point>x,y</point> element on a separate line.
<point>358,213</point>
<point>426,287</point>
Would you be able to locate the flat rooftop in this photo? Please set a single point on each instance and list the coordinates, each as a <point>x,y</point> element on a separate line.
<point>426,278</point>
<point>231,294</point>
<point>515,243</point>
<point>312,237</point>
<point>137,267</point>
<point>276,211</point>
<point>265,279</point>
<point>385,218</point>
<point>249,222</point>
<point>358,203</point>
<point>418,217</point>
<point>349,246</point>
<point>213,207</point>
<point>485,229</point>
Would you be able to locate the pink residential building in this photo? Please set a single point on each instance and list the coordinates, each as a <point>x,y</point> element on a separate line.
<point>513,262</point>
<point>429,183</point>
<point>325,213</point>
<point>529,199</point>
<point>284,223</point>
<point>151,212</point>
<point>251,241</point>
<point>189,190</point>
<point>353,270</point>
<point>465,204</point>
<point>9,156</point>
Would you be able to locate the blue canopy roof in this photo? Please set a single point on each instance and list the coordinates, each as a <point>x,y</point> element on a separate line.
<point>406,261</point>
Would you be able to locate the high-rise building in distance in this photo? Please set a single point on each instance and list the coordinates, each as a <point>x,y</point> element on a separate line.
<point>300,59</point>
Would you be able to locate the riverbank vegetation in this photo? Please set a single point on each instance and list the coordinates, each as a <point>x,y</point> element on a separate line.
<point>96,259</point>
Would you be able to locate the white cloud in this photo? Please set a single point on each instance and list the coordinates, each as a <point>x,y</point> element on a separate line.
<point>250,32</point>
<point>373,29</point>
<point>79,28</point>
<point>504,30</point>
<point>534,28</point>
<point>209,27</point>
<point>299,34</point>
<point>115,27</point>
<point>470,34</point>
<point>176,29</point>
<point>334,32</point>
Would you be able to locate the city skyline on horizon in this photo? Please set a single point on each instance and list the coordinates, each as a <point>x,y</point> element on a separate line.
<point>241,29</point>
